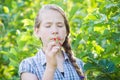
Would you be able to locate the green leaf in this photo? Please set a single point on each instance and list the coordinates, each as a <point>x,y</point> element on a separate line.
<point>107,66</point>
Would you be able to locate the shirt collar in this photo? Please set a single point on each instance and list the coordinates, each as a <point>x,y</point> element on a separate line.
<point>65,56</point>
<point>42,58</point>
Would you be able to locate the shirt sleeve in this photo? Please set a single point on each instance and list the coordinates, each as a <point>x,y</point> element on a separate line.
<point>26,66</point>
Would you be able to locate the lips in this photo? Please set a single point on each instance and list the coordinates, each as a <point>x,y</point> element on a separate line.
<point>57,40</point>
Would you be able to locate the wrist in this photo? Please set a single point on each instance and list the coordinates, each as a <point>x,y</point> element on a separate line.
<point>50,68</point>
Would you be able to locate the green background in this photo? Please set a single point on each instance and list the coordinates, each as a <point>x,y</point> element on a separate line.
<point>95,35</point>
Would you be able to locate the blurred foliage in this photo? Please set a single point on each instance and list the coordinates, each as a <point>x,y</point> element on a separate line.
<point>95,35</point>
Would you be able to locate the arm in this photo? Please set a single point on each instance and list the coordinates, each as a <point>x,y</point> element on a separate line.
<point>49,73</point>
<point>26,70</point>
<point>50,53</point>
<point>28,76</point>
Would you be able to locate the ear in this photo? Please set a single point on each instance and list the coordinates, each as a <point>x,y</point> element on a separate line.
<point>36,32</point>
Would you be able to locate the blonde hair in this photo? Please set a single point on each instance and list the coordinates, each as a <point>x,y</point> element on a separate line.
<point>66,44</point>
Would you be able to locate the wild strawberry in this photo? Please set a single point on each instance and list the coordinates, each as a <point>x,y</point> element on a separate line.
<point>54,39</point>
<point>58,38</point>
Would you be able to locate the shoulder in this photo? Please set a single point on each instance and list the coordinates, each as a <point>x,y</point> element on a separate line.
<point>26,65</point>
<point>31,61</point>
<point>80,63</point>
<point>27,61</point>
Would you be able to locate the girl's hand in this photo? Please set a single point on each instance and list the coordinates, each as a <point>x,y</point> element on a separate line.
<point>53,48</point>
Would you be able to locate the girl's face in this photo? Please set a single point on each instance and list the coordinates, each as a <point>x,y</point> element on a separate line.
<point>52,27</point>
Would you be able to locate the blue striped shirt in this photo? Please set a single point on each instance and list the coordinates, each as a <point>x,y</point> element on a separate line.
<point>36,65</point>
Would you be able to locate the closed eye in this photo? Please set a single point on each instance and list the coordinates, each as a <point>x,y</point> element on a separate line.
<point>60,26</point>
<point>47,26</point>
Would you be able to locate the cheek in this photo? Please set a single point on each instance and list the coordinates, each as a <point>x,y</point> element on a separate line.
<point>44,38</point>
<point>41,33</point>
<point>63,35</point>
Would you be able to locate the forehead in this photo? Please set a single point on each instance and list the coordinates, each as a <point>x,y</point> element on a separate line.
<point>50,15</point>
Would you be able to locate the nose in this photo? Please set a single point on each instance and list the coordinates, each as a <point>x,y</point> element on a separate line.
<point>54,30</point>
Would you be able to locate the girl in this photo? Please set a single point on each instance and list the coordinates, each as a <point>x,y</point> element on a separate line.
<point>55,60</point>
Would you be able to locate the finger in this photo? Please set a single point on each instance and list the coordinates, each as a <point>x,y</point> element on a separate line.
<point>50,45</point>
<point>53,47</point>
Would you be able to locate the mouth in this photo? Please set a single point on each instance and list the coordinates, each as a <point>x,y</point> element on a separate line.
<point>57,40</point>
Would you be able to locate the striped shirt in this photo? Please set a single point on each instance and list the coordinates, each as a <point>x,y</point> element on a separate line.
<point>36,65</point>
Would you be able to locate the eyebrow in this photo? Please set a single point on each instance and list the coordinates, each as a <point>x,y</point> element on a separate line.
<point>48,23</point>
<point>56,23</point>
<point>60,22</point>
